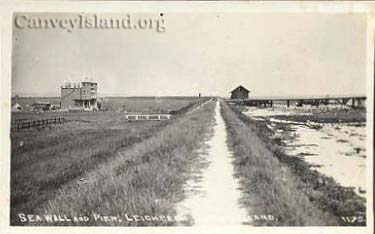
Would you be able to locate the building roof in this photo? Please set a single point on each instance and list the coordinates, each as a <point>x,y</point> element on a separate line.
<point>16,107</point>
<point>240,88</point>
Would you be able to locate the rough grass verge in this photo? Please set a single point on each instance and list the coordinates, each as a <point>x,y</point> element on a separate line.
<point>283,186</point>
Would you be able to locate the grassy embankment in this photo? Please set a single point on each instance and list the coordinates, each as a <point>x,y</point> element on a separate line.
<point>122,177</point>
<point>45,159</point>
<point>284,186</point>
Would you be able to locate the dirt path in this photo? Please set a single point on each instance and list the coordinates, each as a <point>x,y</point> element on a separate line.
<point>213,199</point>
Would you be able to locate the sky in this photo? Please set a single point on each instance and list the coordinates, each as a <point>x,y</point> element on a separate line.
<point>271,54</point>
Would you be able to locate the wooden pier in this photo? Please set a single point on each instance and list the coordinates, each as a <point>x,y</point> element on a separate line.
<point>352,101</point>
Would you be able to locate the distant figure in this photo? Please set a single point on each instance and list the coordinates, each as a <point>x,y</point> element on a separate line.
<point>199,95</point>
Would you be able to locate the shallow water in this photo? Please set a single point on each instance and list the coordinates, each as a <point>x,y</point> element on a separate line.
<point>336,150</point>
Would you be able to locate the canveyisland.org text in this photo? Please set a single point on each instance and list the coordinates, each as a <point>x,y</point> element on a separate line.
<point>90,21</point>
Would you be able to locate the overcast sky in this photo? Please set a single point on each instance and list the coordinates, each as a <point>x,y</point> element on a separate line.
<point>271,54</point>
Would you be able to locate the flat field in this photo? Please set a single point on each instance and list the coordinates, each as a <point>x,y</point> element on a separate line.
<point>146,104</point>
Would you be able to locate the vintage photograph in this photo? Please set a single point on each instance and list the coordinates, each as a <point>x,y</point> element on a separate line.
<point>189,119</point>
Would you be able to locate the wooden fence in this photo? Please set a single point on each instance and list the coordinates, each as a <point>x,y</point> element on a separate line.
<point>139,117</point>
<point>39,122</point>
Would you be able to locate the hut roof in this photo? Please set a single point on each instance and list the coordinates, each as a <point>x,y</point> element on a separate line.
<point>240,88</point>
